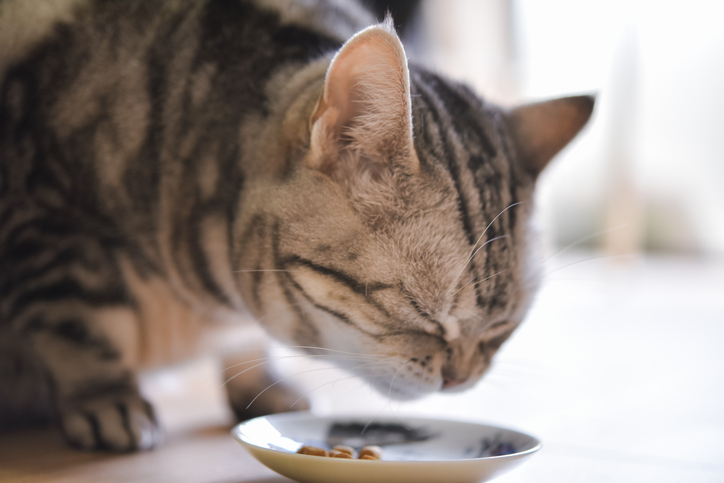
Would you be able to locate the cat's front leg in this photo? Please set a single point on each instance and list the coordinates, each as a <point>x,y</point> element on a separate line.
<point>87,353</point>
<point>253,388</point>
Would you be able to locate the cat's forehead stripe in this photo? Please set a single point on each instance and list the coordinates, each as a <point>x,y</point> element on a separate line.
<point>479,180</point>
<point>476,154</point>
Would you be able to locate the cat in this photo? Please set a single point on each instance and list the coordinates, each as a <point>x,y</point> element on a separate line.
<point>168,168</point>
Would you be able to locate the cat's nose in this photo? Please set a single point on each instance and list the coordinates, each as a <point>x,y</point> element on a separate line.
<point>448,383</point>
<point>451,377</point>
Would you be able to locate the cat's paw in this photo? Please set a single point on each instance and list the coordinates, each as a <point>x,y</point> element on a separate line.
<point>114,423</point>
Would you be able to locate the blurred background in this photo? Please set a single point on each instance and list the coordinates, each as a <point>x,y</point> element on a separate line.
<point>649,169</point>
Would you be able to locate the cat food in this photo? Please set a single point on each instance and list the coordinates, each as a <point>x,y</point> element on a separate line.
<point>344,449</point>
<point>312,451</point>
<point>370,452</point>
<point>340,454</point>
<point>343,452</point>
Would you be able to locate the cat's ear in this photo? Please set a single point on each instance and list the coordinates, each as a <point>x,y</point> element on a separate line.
<point>365,107</point>
<point>543,129</point>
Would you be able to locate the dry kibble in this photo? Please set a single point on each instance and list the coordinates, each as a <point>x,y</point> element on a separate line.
<point>374,452</point>
<point>340,454</point>
<point>343,452</point>
<point>344,449</point>
<point>312,451</point>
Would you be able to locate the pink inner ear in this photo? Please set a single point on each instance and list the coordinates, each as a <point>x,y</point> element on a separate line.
<point>339,90</point>
<point>365,106</point>
<point>367,81</point>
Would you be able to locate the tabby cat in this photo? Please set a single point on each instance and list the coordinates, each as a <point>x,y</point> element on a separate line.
<point>168,167</point>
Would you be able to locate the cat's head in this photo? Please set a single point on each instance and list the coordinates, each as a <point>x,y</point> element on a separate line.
<point>402,240</point>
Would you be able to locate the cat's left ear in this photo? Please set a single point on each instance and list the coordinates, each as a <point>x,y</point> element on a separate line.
<point>542,130</point>
<point>365,107</point>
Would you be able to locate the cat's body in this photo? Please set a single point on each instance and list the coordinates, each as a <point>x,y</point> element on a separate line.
<point>168,167</point>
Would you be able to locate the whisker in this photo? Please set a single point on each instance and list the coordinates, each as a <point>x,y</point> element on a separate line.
<point>472,251</point>
<point>598,257</point>
<point>469,311</point>
<point>388,404</point>
<point>242,372</point>
<point>284,379</point>
<point>372,376</point>
<point>489,241</point>
<point>336,351</point>
<point>481,281</point>
<point>392,382</point>
<point>463,287</point>
<point>492,276</point>
<point>341,378</point>
<point>280,358</point>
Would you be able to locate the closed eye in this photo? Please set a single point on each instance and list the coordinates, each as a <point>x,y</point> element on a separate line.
<point>430,325</point>
<point>418,309</point>
<point>338,276</point>
<point>336,292</point>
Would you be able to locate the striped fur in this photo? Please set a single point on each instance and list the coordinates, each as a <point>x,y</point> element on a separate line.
<point>156,183</point>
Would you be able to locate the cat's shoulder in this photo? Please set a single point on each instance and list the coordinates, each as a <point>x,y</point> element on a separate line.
<point>26,23</point>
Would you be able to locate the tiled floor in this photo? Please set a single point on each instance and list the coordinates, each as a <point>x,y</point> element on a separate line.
<point>619,370</point>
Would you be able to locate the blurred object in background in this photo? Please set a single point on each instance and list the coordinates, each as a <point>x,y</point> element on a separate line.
<point>648,172</point>
<point>474,42</point>
<point>403,12</point>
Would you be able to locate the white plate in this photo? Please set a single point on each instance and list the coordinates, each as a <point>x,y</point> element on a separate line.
<point>415,450</point>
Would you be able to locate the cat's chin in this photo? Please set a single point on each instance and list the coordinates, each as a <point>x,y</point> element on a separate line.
<point>402,393</point>
<point>457,389</point>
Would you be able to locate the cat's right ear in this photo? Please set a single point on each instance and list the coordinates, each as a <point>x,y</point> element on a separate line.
<point>365,107</point>
<point>543,129</point>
